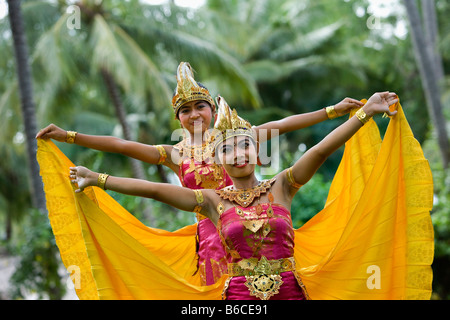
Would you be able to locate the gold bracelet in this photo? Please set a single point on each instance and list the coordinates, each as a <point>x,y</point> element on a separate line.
<point>362,116</point>
<point>70,137</point>
<point>198,196</point>
<point>331,113</point>
<point>291,181</point>
<point>162,154</point>
<point>102,180</point>
<point>198,208</point>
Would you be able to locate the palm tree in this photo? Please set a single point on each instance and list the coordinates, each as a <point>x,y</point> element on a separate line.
<point>27,103</point>
<point>430,67</point>
<point>134,54</point>
<point>120,46</point>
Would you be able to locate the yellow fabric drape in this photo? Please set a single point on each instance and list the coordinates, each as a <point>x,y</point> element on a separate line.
<point>372,240</point>
<point>375,227</point>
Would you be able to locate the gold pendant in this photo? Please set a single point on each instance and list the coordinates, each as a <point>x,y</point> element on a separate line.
<point>220,208</point>
<point>253,225</point>
<point>259,209</point>
<point>263,286</point>
<point>269,211</point>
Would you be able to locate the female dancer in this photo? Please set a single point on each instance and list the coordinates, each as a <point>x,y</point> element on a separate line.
<point>252,217</point>
<point>191,158</point>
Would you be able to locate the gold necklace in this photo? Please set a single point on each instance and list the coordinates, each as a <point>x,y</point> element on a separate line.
<point>245,197</point>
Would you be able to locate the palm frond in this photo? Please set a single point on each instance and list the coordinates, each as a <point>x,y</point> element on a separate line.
<point>304,44</point>
<point>147,75</point>
<point>53,63</point>
<point>133,70</point>
<point>188,42</point>
<point>273,71</point>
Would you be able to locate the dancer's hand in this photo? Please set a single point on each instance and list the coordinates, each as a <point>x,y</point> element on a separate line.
<point>52,132</point>
<point>83,177</point>
<point>346,105</point>
<point>379,102</point>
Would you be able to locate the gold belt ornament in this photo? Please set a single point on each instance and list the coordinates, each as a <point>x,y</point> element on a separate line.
<point>263,276</point>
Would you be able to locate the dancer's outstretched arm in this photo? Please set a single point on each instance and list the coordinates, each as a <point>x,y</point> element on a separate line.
<point>300,121</point>
<point>140,151</point>
<point>307,165</point>
<point>179,197</point>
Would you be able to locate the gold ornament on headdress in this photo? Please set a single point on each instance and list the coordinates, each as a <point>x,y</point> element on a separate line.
<point>188,89</point>
<point>229,124</point>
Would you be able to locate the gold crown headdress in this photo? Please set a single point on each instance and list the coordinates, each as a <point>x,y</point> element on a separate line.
<point>229,124</point>
<point>188,89</point>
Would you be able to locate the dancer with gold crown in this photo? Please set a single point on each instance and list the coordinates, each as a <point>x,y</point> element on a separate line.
<point>254,223</point>
<point>191,158</point>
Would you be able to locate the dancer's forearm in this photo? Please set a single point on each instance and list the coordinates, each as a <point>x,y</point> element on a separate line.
<point>304,120</point>
<point>308,164</point>
<point>291,123</point>
<point>176,196</point>
<point>140,151</point>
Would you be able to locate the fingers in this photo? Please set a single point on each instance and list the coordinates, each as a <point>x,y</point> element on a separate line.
<point>387,95</point>
<point>41,133</point>
<point>73,170</point>
<point>354,101</point>
<point>392,101</point>
<point>391,113</point>
<point>73,175</point>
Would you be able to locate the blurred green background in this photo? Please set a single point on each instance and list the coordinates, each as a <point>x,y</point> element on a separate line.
<point>108,68</point>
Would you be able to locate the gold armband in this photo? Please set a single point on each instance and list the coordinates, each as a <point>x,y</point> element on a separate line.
<point>199,198</point>
<point>70,137</point>
<point>102,180</point>
<point>362,116</point>
<point>331,113</point>
<point>162,154</point>
<point>291,180</point>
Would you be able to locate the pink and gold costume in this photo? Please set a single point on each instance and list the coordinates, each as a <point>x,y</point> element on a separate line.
<point>270,246</point>
<point>201,173</point>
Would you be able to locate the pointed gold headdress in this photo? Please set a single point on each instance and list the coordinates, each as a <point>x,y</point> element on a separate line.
<point>188,89</point>
<point>229,124</point>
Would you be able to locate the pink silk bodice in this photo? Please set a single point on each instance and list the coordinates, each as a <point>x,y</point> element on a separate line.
<point>193,174</point>
<point>274,240</point>
<point>203,175</point>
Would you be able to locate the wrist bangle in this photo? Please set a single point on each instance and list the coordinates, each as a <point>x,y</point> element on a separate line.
<point>331,113</point>
<point>70,137</point>
<point>102,180</point>
<point>362,116</point>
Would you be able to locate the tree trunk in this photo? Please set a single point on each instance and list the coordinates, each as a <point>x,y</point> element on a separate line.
<point>430,26</point>
<point>136,165</point>
<point>427,60</point>
<point>27,104</point>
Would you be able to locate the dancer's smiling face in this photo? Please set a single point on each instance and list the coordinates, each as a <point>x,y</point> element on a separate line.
<point>237,155</point>
<point>196,115</point>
